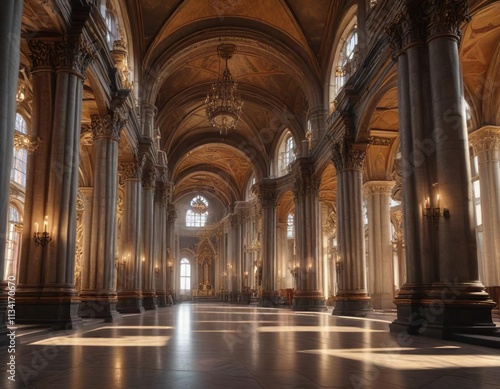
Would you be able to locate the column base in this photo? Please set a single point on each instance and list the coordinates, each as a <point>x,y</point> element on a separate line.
<point>357,305</point>
<point>309,301</point>
<point>162,300</point>
<point>4,340</point>
<point>130,302</point>
<point>269,299</point>
<point>382,301</point>
<point>446,310</point>
<point>149,301</point>
<point>100,306</point>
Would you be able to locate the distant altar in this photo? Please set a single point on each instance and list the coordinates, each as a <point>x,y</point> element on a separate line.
<point>204,289</point>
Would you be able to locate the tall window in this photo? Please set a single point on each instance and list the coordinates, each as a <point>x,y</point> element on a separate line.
<point>347,63</point>
<point>290,225</point>
<point>185,275</point>
<point>12,248</point>
<point>198,214</point>
<point>18,172</point>
<point>289,156</point>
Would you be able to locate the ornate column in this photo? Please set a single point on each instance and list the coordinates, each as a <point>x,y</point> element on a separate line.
<point>160,223</point>
<point>268,200</point>
<point>130,270</point>
<point>147,252</point>
<point>98,294</point>
<point>308,296</point>
<point>149,113</point>
<point>380,266</point>
<point>442,295</point>
<point>83,233</point>
<point>10,44</point>
<point>170,237</point>
<point>46,292</point>
<point>486,145</point>
<point>352,298</point>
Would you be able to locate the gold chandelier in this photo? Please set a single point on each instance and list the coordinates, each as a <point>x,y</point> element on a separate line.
<point>223,104</point>
<point>199,205</point>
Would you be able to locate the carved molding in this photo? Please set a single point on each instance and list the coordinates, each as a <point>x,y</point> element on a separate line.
<point>161,194</point>
<point>108,126</point>
<point>149,175</point>
<point>171,212</point>
<point>380,141</point>
<point>267,198</point>
<point>446,17</point>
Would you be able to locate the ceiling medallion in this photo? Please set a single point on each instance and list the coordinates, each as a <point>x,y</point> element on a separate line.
<point>223,104</point>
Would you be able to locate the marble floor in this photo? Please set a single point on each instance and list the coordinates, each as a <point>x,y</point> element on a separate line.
<point>226,346</point>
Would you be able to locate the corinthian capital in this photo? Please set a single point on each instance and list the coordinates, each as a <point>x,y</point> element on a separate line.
<point>446,16</point>
<point>74,52</point>
<point>485,139</point>
<point>347,156</point>
<point>41,53</point>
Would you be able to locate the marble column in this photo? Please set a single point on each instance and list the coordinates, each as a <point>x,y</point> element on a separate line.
<point>268,197</point>
<point>442,295</point>
<point>130,271</point>
<point>10,44</point>
<point>98,294</point>
<point>170,236</point>
<point>147,252</point>
<point>46,292</point>
<point>352,298</point>
<point>83,234</point>
<point>160,223</point>
<point>380,261</point>
<point>486,144</point>
<point>308,296</point>
<point>149,112</point>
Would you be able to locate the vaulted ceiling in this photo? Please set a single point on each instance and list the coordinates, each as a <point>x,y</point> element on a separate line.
<point>282,48</point>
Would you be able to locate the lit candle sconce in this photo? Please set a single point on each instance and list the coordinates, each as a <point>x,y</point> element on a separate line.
<point>42,238</point>
<point>433,210</point>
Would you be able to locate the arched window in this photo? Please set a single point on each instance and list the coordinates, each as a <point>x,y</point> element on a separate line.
<point>12,249</point>
<point>347,60</point>
<point>18,172</point>
<point>198,214</point>
<point>290,226</point>
<point>185,275</point>
<point>286,154</point>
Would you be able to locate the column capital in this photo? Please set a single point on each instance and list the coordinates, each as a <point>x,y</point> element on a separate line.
<point>74,52</point>
<point>149,175</point>
<point>371,188</point>
<point>108,126</point>
<point>171,212</point>
<point>485,139</point>
<point>41,53</point>
<point>446,17</point>
<point>348,156</point>
<point>161,194</point>
<point>268,196</point>
<point>131,170</point>
<point>306,185</point>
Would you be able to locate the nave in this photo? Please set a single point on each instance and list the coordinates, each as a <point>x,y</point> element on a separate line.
<point>202,345</point>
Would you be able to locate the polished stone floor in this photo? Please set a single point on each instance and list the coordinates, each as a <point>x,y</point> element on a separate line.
<point>227,346</point>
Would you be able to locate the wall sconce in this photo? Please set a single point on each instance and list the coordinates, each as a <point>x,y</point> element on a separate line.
<point>42,238</point>
<point>434,212</point>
